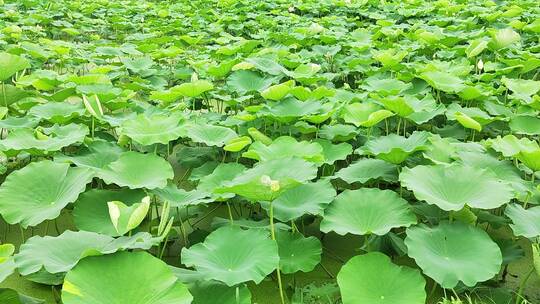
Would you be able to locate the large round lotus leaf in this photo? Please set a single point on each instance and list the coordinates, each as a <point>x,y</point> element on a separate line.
<point>522,88</point>
<point>60,254</point>
<point>289,108</point>
<point>454,252</point>
<point>11,64</point>
<point>366,169</point>
<point>267,180</point>
<point>193,89</point>
<point>510,145</point>
<point>310,198</point>
<point>244,81</point>
<point>39,191</point>
<point>452,187</point>
<point>443,81</point>
<point>233,255</point>
<point>136,170</point>
<point>365,114</point>
<point>223,173</point>
<point>525,124</point>
<point>394,148</point>
<point>526,222</point>
<point>298,253</point>
<point>57,112</point>
<point>12,94</point>
<point>285,146</point>
<point>210,135</point>
<point>179,198</point>
<point>12,122</point>
<point>121,278</point>
<point>155,129</point>
<point>44,139</point>
<point>334,152</point>
<point>373,279</point>
<point>367,211</point>
<point>96,155</point>
<point>212,292</point>
<point>10,296</point>
<point>91,213</point>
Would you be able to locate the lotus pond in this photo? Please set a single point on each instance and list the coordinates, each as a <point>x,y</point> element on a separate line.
<point>270,152</point>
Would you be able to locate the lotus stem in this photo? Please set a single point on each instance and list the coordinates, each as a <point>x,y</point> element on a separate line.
<point>519,297</point>
<point>230,213</point>
<point>273,233</point>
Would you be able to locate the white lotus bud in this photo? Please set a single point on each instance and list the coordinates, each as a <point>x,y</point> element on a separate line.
<point>291,9</point>
<point>266,180</point>
<point>480,64</point>
<point>194,77</point>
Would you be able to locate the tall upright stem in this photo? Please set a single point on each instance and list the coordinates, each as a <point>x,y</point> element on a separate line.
<point>273,233</point>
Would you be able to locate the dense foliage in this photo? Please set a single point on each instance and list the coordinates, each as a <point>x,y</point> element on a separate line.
<point>241,151</point>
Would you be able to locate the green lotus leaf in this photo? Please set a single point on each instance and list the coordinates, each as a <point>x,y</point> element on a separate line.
<point>104,92</point>
<point>222,174</point>
<point>365,114</point>
<point>211,292</point>
<point>11,94</point>
<point>476,47</point>
<point>334,152</point>
<point>394,148</point>
<point>385,86</point>
<point>44,139</point>
<point>39,191</point>
<point>373,278</point>
<point>289,108</point>
<point>10,296</point>
<point>531,159</point>
<point>455,186</point>
<point>91,213</point>
<point>443,81</point>
<point>525,124</point>
<point>397,104</point>
<point>154,129</point>
<point>237,144</point>
<point>57,112</point>
<point>526,222</point>
<point>7,263</point>
<point>310,198</point>
<point>278,91</point>
<point>209,134</point>
<point>267,180</point>
<point>60,254</point>
<point>285,146</point>
<point>522,88</point>
<point>298,253</point>
<point>441,253</point>
<point>105,279</point>
<point>367,169</point>
<point>138,65</point>
<point>11,64</point>
<point>12,122</point>
<point>233,255</point>
<point>244,81</point>
<point>338,132</point>
<point>367,211</point>
<point>193,89</point>
<point>503,169</point>
<point>136,170</point>
<point>179,198</point>
<point>95,155</point>
<point>511,146</point>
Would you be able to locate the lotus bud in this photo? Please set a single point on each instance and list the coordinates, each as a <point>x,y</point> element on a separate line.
<point>274,185</point>
<point>123,140</point>
<point>480,65</point>
<point>194,77</point>
<point>291,9</point>
<point>266,180</point>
